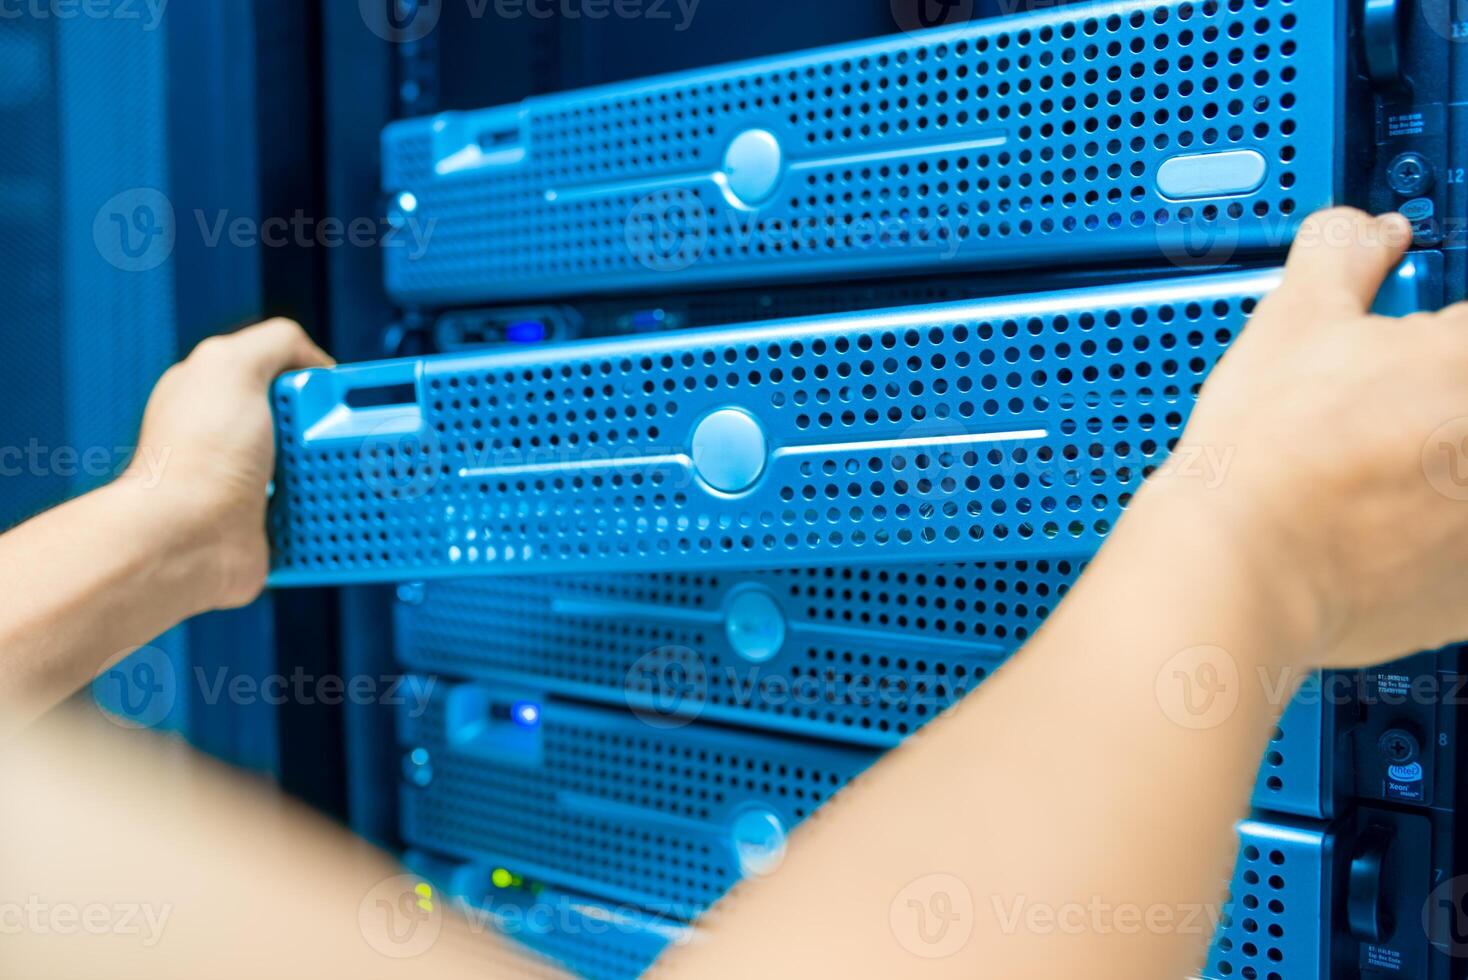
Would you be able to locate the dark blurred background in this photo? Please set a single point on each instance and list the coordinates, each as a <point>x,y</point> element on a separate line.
<point>138,131</point>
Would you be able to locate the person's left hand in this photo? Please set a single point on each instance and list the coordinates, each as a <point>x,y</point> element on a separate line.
<point>207,450</point>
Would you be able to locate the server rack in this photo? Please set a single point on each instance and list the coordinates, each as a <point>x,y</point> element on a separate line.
<point>1199,133</point>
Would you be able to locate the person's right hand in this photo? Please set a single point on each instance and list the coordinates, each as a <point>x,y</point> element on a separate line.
<point>1347,440</point>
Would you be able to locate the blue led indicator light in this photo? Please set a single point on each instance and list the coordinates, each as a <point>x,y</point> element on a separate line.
<point>526,713</point>
<point>648,319</point>
<point>525,332</point>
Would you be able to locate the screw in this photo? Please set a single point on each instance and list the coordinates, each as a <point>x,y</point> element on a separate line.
<point>1399,745</point>
<point>1410,175</point>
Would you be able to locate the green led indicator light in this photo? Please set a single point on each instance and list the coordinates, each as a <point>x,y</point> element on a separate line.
<point>505,878</point>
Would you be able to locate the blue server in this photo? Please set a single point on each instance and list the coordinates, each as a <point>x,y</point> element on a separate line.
<point>733,461</point>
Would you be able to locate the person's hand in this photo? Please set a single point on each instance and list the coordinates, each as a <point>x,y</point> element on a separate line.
<point>1346,436</point>
<point>206,452</point>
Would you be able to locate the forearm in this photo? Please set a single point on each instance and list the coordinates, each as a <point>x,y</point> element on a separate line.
<point>1019,793</point>
<point>86,583</point>
<point>203,873</point>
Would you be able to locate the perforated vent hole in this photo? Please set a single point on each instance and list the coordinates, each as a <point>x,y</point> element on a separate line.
<point>1253,936</point>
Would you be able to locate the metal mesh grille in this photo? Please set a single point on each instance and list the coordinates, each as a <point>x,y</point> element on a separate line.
<point>858,654</point>
<point>1003,429</point>
<point>604,802</point>
<point>1293,777</point>
<point>1010,141</point>
<point>1274,924</point>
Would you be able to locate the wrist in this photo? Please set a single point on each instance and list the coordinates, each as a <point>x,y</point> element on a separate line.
<point>177,553</point>
<point>1229,536</point>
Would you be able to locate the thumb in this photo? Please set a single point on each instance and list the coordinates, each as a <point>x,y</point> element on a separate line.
<point>1342,256</point>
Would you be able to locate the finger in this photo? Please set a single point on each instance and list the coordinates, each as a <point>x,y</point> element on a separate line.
<point>1457,313</point>
<point>1342,256</point>
<point>276,346</point>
